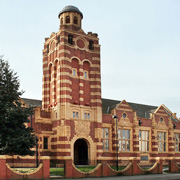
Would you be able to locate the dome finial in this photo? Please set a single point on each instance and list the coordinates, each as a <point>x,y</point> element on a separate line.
<point>70,8</point>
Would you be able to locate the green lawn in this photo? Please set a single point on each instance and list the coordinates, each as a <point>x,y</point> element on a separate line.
<point>86,168</point>
<point>120,168</point>
<point>57,171</point>
<point>60,171</point>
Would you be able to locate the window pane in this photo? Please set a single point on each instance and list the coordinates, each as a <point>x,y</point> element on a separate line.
<point>119,133</point>
<point>140,145</point>
<point>147,146</point>
<point>139,135</point>
<point>106,144</point>
<point>123,145</point>
<point>143,146</point>
<point>176,147</point>
<point>84,115</point>
<point>45,143</point>
<point>128,134</point>
<point>164,136</point>
<point>143,135</point>
<point>106,133</point>
<point>123,133</point>
<point>73,114</point>
<point>119,145</point>
<point>147,135</point>
<point>77,114</point>
<point>128,145</point>
<point>164,146</point>
<point>88,116</point>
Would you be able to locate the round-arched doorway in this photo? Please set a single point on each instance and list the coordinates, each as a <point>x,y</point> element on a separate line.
<point>81,152</point>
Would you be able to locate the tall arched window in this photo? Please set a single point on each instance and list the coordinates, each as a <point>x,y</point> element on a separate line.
<point>86,83</point>
<point>75,81</point>
<point>67,19</point>
<point>56,79</point>
<point>50,84</point>
<point>75,20</point>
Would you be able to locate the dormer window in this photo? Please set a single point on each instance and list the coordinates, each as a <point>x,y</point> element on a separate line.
<point>67,19</point>
<point>70,39</point>
<point>75,20</point>
<point>91,45</point>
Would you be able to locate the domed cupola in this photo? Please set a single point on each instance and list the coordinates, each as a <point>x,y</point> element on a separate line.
<point>70,16</point>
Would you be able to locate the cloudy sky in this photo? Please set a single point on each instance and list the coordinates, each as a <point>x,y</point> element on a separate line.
<point>140,45</point>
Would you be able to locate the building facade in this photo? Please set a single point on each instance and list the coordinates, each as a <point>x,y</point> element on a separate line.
<point>74,122</point>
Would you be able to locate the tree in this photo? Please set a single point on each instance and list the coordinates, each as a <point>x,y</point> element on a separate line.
<point>16,138</point>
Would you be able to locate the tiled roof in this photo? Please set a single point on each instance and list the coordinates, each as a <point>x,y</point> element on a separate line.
<point>32,102</point>
<point>107,104</point>
<point>141,109</point>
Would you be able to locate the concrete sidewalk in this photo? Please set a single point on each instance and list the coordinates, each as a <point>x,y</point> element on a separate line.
<point>175,176</point>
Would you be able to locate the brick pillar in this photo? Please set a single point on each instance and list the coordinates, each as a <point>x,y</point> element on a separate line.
<point>68,171</point>
<point>46,167</point>
<point>172,166</point>
<point>2,167</point>
<point>135,167</point>
<point>160,166</point>
<point>104,172</point>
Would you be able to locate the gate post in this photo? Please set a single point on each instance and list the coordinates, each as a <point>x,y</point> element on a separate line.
<point>3,167</point>
<point>68,169</point>
<point>46,167</point>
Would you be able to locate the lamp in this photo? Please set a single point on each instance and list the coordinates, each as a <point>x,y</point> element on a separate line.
<point>115,116</point>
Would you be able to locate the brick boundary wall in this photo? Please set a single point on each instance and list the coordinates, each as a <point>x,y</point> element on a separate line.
<point>173,166</point>
<point>104,170</point>
<point>7,173</point>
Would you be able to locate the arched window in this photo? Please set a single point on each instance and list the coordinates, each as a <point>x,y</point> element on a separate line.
<point>67,19</point>
<point>75,20</point>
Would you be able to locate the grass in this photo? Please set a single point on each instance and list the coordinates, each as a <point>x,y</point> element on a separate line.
<point>60,171</point>
<point>86,168</point>
<point>24,170</point>
<point>57,171</point>
<point>120,168</point>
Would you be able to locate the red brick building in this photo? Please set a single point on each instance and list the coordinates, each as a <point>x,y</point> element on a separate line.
<point>74,122</point>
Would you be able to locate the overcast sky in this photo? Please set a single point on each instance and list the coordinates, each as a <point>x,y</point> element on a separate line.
<point>140,45</point>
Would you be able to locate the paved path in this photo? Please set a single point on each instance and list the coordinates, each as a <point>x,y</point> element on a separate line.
<point>175,176</point>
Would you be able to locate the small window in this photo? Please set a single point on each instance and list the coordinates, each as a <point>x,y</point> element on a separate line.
<point>75,20</point>
<point>58,39</point>
<point>67,19</point>
<point>161,119</point>
<point>85,116</point>
<point>74,72</point>
<point>48,48</point>
<point>70,39</point>
<point>124,115</point>
<point>91,45</point>
<point>88,116</point>
<point>77,114</point>
<point>85,74</point>
<point>45,143</point>
<point>74,114</point>
<point>105,137</point>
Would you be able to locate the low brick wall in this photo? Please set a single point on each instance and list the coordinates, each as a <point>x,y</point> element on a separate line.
<point>173,166</point>
<point>104,170</point>
<point>7,173</point>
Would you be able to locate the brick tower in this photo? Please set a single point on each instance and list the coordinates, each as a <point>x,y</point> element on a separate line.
<point>72,89</point>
